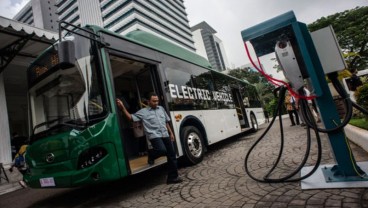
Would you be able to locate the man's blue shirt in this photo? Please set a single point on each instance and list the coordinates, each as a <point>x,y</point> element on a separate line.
<point>154,121</point>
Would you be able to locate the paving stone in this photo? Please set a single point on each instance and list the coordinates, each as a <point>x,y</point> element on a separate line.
<point>336,197</point>
<point>303,196</point>
<point>220,180</point>
<point>322,195</point>
<point>284,199</point>
<point>292,192</point>
<point>351,200</point>
<point>270,198</point>
<point>297,203</point>
<point>350,194</point>
<point>238,204</point>
<point>351,205</point>
<point>264,204</point>
<point>278,205</point>
<point>331,202</point>
<point>248,205</point>
<point>314,206</point>
<point>315,201</point>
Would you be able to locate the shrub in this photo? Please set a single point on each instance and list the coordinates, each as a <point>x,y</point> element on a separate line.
<point>361,95</point>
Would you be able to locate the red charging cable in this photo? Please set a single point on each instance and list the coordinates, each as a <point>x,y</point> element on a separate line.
<point>273,80</point>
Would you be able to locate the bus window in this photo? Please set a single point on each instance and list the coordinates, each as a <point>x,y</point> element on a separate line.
<point>145,86</point>
<point>180,90</point>
<point>205,81</point>
<point>222,86</point>
<point>254,101</point>
<point>190,89</point>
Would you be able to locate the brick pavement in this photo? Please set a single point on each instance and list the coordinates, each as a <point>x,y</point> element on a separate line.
<point>220,180</point>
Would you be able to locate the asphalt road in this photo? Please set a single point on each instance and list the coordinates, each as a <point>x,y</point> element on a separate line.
<point>219,181</point>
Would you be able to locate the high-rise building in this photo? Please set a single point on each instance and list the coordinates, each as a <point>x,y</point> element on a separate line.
<point>39,13</point>
<point>80,12</point>
<point>164,18</point>
<point>210,46</point>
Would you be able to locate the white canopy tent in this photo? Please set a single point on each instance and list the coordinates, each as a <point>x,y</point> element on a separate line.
<point>20,44</point>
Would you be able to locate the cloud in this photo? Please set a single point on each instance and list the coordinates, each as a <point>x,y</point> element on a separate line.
<point>9,8</point>
<point>230,17</point>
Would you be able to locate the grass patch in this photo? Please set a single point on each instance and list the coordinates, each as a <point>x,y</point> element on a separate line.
<point>359,122</point>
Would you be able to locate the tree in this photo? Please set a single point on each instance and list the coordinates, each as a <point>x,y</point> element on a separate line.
<point>263,87</point>
<point>351,28</point>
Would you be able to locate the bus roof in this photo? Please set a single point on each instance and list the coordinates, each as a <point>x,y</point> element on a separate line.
<point>156,43</point>
<point>151,41</point>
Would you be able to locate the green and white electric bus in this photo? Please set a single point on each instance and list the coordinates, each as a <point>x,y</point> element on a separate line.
<point>79,135</point>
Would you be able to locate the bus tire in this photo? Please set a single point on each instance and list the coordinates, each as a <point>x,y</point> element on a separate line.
<point>254,122</point>
<point>193,145</point>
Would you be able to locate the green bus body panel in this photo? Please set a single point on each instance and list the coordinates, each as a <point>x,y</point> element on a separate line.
<point>68,146</point>
<point>151,41</point>
<point>110,96</point>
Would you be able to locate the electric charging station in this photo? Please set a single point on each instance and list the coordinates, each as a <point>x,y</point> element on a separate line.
<point>296,53</point>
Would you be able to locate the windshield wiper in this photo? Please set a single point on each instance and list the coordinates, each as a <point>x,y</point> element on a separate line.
<point>63,123</point>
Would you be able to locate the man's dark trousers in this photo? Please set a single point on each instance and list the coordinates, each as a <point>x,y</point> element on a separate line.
<point>164,146</point>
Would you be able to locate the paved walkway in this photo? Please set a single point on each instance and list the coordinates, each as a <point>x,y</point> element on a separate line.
<point>220,180</point>
<point>13,185</point>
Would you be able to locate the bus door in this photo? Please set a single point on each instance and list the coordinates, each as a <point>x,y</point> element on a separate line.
<point>242,116</point>
<point>133,81</point>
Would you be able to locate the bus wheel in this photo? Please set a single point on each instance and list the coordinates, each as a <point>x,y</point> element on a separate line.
<point>254,123</point>
<point>193,145</point>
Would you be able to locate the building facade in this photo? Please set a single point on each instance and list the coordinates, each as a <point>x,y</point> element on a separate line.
<point>39,13</point>
<point>210,46</point>
<point>166,19</point>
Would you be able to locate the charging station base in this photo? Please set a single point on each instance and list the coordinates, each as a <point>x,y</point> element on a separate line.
<point>324,178</point>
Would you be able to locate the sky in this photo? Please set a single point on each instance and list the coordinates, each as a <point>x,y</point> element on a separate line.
<point>230,17</point>
<point>8,8</point>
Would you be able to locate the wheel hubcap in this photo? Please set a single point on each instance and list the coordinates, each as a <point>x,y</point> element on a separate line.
<point>194,144</point>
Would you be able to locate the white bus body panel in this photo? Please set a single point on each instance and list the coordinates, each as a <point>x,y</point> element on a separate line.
<point>218,124</point>
<point>258,112</point>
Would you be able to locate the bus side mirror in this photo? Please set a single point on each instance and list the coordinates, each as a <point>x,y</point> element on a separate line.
<point>66,53</point>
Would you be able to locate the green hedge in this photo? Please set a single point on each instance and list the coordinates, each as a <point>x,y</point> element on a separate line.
<point>362,96</point>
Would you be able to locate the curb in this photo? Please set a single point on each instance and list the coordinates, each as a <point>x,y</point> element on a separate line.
<point>13,184</point>
<point>10,188</point>
<point>357,135</point>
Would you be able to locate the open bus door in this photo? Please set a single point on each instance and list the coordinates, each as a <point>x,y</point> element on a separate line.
<point>133,81</point>
<point>240,110</point>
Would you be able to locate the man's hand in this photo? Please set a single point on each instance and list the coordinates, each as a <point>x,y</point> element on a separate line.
<point>172,137</point>
<point>120,104</point>
<point>123,109</point>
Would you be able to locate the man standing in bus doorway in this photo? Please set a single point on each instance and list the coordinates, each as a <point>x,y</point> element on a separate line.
<point>157,128</point>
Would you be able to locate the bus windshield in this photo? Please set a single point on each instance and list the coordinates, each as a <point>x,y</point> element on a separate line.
<point>63,99</point>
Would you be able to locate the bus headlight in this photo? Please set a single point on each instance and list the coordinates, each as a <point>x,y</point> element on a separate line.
<point>91,156</point>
